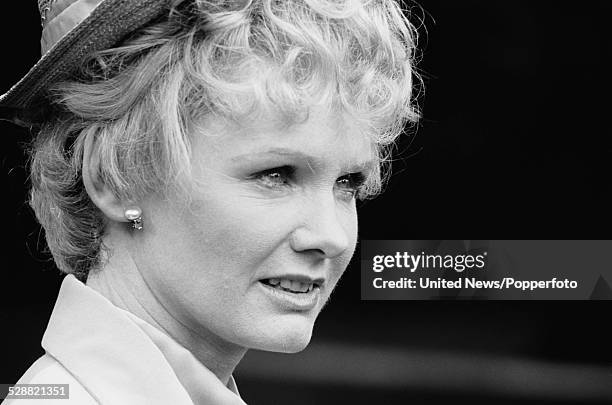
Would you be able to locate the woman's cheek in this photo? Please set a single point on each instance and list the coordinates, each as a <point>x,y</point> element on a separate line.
<point>246,229</point>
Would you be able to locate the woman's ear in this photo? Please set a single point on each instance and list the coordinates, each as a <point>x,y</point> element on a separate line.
<point>99,193</point>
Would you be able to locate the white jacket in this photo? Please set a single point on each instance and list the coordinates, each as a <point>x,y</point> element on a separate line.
<point>110,356</point>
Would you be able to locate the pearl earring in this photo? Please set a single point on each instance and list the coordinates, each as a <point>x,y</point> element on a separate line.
<point>134,215</point>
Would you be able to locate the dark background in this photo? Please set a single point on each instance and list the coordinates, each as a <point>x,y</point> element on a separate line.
<point>514,144</point>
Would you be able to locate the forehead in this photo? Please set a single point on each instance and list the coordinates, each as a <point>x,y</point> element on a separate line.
<point>329,137</point>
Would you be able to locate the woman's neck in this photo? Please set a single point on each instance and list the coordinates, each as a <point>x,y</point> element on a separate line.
<point>121,282</point>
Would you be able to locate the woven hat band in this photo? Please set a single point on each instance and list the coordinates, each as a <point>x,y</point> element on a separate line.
<point>62,17</point>
<point>73,30</point>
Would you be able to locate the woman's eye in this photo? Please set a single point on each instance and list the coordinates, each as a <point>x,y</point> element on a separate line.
<point>275,178</point>
<point>351,184</point>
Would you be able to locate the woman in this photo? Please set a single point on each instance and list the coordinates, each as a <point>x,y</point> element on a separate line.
<point>195,169</point>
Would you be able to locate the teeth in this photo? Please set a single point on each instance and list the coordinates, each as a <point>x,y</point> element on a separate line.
<point>290,285</point>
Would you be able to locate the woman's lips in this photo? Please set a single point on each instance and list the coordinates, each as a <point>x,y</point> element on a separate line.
<point>291,295</point>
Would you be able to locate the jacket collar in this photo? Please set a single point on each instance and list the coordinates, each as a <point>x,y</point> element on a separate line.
<point>120,358</point>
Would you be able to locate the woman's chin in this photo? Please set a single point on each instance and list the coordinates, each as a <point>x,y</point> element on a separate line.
<point>285,339</point>
<point>288,344</point>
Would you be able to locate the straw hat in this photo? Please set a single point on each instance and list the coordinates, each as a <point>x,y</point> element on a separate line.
<point>73,29</point>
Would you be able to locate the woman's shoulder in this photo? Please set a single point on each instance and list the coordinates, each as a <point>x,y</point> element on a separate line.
<point>47,370</point>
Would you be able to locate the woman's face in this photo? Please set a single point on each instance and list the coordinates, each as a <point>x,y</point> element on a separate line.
<point>256,253</point>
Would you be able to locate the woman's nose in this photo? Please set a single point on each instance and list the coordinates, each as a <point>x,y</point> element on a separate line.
<point>321,229</point>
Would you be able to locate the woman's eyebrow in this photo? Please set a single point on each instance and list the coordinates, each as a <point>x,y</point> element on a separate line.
<point>312,161</point>
<point>284,152</point>
<point>362,167</point>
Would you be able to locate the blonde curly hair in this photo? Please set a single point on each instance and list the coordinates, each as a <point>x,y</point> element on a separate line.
<point>225,59</point>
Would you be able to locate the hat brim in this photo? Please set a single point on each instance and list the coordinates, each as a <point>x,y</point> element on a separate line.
<point>108,23</point>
